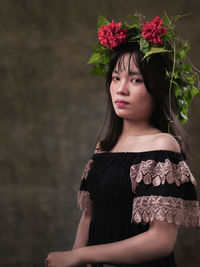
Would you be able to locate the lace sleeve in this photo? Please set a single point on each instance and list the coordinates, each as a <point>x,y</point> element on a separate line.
<point>164,191</point>
<point>84,202</point>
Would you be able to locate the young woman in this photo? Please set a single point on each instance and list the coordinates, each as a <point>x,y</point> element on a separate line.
<point>136,189</point>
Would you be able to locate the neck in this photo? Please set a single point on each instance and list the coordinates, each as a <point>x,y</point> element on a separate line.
<point>137,128</point>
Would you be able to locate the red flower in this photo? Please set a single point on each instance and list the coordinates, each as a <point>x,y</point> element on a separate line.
<point>112,35</point>
<point>152,31</point>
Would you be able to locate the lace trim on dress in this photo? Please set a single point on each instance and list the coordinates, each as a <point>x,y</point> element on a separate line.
<point>160,172</point>
<point>182,212</point>
<point>87,169</point>
<point>84,201</point>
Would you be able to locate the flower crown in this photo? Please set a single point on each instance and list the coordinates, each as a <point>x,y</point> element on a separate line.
<point>153,37</point>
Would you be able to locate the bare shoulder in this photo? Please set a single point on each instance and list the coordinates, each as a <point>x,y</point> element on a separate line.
<point>166,141</point>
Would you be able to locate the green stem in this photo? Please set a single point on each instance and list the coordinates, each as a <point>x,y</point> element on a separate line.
<point>172,75</point>
<point>170,87</point>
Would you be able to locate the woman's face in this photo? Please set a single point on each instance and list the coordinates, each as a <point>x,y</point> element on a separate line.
<point>130,98</point>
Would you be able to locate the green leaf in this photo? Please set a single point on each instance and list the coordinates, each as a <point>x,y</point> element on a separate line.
<point>133,25</point>
<point>186,67</point>
<point>167,73</point>
<point>183,121</point>
<point>155,50</point>
<point>96,48</point>
<point>181,102</point>
<point>101,49</point>
<point>102,21</point>
<point>194,91</point>
<point>191,79</point>
<point>144,45</point>
<point>134,38</point>
<point>95,58</point>
<point>97,70</point>
<point>176,89</point>
<point>175,75</point>
<point>182,54</point>
<point>98,57</point>
<point>183,115</point>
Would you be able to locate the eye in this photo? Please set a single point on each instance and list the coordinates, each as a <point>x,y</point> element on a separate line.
<point>115,78</point>
<point>137,80</point>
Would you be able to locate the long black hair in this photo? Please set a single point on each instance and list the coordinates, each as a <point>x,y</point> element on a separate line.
<point>157,84</point>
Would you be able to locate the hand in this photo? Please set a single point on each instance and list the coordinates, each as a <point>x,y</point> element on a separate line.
<point>63,259</point>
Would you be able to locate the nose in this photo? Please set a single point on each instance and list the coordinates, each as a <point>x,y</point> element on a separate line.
<point>122,88</point>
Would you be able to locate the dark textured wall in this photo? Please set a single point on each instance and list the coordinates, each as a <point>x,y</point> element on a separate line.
<point>51,112</point>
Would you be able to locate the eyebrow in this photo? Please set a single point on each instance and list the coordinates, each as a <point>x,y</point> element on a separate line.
<point>129,73</point>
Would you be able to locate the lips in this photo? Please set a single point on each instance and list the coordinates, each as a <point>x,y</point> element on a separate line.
<point>121,102</point>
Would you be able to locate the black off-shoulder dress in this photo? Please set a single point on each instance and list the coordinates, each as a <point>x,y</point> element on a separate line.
<point>127,190</point>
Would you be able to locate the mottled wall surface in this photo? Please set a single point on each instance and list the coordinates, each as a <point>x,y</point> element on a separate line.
<point>51,113</point>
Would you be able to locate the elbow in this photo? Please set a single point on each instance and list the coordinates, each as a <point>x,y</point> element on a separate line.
<point>166,247</point>
<point>164,235</point>
<point>166,251</point>
<point>163,246</point>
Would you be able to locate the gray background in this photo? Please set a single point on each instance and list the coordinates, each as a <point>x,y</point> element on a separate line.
<point>51,113</point>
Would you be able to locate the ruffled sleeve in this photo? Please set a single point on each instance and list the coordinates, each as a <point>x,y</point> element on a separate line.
<point>84,202</point>
<point>164,189</point>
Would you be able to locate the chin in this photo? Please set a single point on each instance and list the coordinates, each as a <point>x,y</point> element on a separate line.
<point>124,115</point>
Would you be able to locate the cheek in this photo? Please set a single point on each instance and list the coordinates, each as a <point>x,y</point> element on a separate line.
<point>143,96</point>
<point>111,91</point>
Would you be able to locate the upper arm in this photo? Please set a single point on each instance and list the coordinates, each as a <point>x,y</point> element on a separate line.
<point>166,232</point>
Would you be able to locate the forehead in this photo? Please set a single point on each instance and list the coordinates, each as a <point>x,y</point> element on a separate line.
<point>127,62</point>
